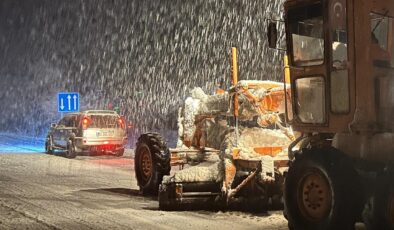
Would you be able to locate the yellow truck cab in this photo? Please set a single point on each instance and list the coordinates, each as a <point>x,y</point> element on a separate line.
<point>341,61</point>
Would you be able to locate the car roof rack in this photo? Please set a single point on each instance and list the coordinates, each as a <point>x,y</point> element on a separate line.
<point>100,111</point>
<point>72,114</point>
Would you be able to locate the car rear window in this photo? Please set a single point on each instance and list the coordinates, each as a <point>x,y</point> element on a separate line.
<point>104,121</point>
<point>69,121</point>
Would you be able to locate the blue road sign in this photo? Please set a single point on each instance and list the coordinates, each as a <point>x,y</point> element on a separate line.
<point>68,102</point>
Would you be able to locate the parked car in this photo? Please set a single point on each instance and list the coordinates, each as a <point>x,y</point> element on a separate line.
<point>92,131</point>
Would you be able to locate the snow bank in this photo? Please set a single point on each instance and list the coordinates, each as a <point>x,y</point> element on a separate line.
<point>189,116</point>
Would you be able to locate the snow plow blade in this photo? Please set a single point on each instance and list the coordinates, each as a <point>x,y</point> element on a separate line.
<point>190,195</point>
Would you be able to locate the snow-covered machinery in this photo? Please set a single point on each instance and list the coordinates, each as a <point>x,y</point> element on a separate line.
<point>233,143</point>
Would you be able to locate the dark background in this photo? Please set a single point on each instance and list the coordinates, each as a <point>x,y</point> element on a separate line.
<point>141,55</point>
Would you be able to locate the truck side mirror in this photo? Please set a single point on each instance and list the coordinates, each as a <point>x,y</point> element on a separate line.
<point>272,34</point>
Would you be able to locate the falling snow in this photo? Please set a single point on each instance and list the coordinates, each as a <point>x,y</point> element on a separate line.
<point>141,56</point>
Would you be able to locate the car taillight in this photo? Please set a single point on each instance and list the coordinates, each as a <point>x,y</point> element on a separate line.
<point>121,123</point>
<point>85,123</point>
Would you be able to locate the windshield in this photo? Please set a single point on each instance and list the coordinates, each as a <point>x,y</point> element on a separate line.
<point>306,29</point>
<point>68,121</point>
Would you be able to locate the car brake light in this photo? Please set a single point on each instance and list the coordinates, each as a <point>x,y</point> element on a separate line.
<point>121,123</point>
<point>85,123</point>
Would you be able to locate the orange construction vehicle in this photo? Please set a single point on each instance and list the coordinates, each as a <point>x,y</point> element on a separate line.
<point>341,62</point>
<point>233,144</point>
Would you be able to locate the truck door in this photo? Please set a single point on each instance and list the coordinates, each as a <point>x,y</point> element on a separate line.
<point>306,51</point>
<point>321,64</point>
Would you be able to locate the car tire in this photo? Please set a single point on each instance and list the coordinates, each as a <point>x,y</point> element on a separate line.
<point>70,150</point>
<point>322,191</point>
<point>48,145</point>
<point>152,162</point>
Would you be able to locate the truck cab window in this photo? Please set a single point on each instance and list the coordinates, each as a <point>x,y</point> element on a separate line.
<point>310,100</point>
<point>306,28</point>
<point>379,30</point>
<point>382,44</point>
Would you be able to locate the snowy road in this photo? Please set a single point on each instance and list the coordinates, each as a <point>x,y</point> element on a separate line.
<point>39,191</point>
<point>14,143</point>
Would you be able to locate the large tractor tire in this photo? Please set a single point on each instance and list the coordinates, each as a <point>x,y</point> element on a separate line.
<point>152,162</point>
<point>48,145</point>
<point>379,209</point>
<point>322,191</point>
<point>70,150</point>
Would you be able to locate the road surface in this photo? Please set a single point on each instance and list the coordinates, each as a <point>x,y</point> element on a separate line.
<point>40,191</point>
